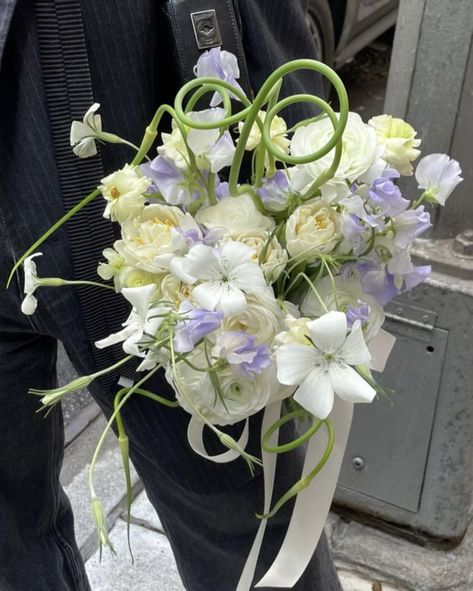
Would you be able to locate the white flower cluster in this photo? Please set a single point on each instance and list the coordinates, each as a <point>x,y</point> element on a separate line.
<point>250,293</point>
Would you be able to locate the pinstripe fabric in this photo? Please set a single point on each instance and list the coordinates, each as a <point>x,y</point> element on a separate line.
<point>207,510</point>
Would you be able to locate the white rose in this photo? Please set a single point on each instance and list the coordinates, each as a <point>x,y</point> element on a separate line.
<point>348,293</point>
<point>151,240</point>
<point>123,191</point>
<point>236,214</point>
<point>242,396</point>
<point>174,291</point>
<point>277,132</point>
<point>360,158</point>
<point>275,256</point>
<point>312,228</point>
<point>398,138</point>
<point>131,277</point>
<point>260,318</point>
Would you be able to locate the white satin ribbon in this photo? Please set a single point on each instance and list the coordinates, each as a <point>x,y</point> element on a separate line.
<point>195,432</point>
<point>271,415</point>
<point>312,504</point>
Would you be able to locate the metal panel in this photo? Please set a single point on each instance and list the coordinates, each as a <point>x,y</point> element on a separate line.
<point>388,447</point>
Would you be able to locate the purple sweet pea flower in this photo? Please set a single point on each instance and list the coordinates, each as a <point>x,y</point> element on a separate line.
<point>401,267</point>
<point>418,275</point>
<point>357,206</point>
<point>361,313</point>
<point>217,63</point>
<point>274,192</point>
<point>197,323</point>
<point>410,224</point>
<point>385,196</point>
<point>377,281</point>
<point>240,349</point>
<point>170,181</point>
<point>222,190</point>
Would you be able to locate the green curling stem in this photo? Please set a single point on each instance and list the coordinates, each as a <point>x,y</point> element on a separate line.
<point>216,84</point>
<point>278,449</point>
<point>67,216</point>
<point>261,98</point>
<point>305,481</point>
<point>205,89</point>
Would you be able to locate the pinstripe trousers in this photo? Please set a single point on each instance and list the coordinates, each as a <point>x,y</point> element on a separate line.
<point>208,511</point>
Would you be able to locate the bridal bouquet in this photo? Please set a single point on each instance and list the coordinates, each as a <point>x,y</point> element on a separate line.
<point>250,293</point>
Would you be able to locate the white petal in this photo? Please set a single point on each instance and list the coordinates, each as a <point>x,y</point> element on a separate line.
<point>249,277</point>
<point>79,131</point>
<point>235,253</point>
<point>203,262</point>
<point>329,331</point>
<point>29,304</point>
<point>294,362</point>
<point>208,294</point>
<point>85,148</point>
<point>233,300</point>
<point>349,385</point>
<point>221,153</point>
<point>315,394</point>
<point>116,337</point>
<point>354,350</point>
<point>140,298</point>
<point>177,267</point>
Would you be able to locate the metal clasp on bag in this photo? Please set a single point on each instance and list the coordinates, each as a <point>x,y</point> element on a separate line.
<point>206,30</point>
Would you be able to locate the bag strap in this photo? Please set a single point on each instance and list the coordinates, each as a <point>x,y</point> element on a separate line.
<point>199,25</point>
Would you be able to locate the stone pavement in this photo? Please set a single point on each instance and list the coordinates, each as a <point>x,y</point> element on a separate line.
<point>368,559</point>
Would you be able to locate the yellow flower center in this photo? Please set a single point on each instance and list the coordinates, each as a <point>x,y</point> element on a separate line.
<point>115,193</point>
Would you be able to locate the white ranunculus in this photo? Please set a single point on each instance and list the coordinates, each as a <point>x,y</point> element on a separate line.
<point>260,318</point>
<point>398,139</point>
<point>439,175</point>
<point>277,132</point>
<point>360,155</point>
<point>296,331</point>
<point>275,256</point>
<point>242,396</point>
<point>236,214</point>
<point>348,294</point>
<point>123,191</point>
<point>151,240</point>
<point>312,228</point>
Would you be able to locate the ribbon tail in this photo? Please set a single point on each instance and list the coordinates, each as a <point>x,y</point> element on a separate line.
<point>195,432</point>
<point>312,505</point>
<point>271,415</point>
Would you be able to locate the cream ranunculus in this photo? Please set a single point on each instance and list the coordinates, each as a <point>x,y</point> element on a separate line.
<point>242,396</point>
<point>261,318</point>
<point>360,155</point>
<point>398,138</point>
<point>173,290</point>
<point>347,297</point>
<point>278,133</point>
<point>151,240</point>
<point>275,256</point>
<point>236,214</point>
<point>174,147</point>
<point>312,229</point>
<point>123,191</point>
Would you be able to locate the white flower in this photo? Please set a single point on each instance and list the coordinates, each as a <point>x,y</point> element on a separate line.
<point>29,304</point>
<point>277,132</point>
<point>398,139</point>
<point>242,396</point>
<point>141,325</point>
<point>438,174</point>
<point>274,255</point>
<point>224,276</point>
<point>236,214</point>
<point>261,318</point>
<point>322,369</point>
<point>346,295</point>
<point>85,132</point>
<point>123,191</point>
<point>360,158</point>
<point>152,239</point>
<point>212,149</point>
<point>312,228</point>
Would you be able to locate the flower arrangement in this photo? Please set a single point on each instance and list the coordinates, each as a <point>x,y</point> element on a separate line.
<point>250,293</point>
